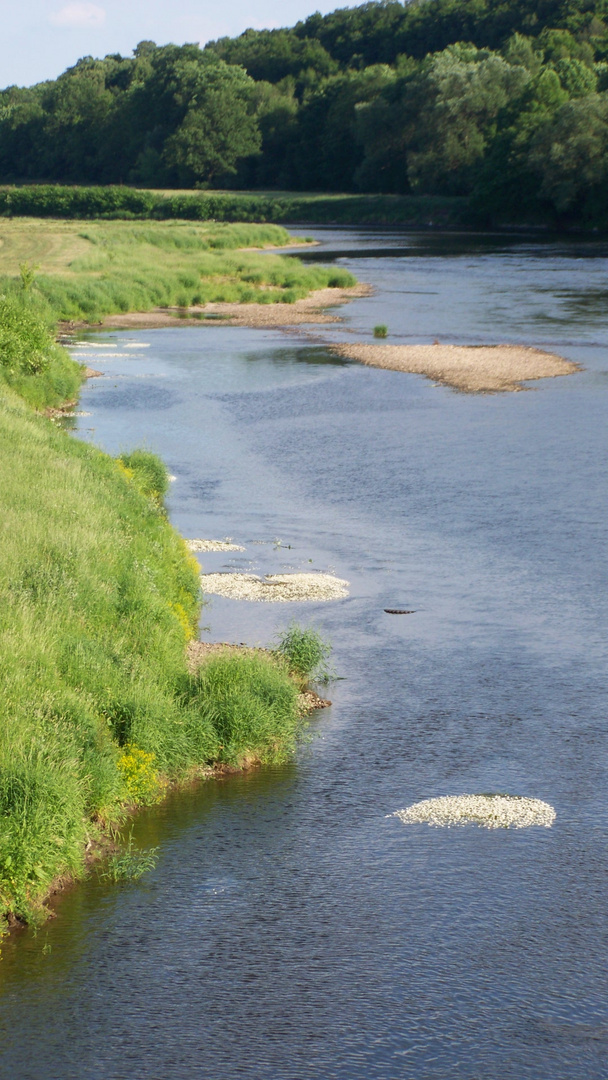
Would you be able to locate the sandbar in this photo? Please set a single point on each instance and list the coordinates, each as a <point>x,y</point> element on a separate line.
<point>311,309</point>
<point>475,369</point>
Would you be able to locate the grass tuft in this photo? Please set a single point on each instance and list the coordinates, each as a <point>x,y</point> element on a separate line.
<point>305,652</point>
<point>129,864</point>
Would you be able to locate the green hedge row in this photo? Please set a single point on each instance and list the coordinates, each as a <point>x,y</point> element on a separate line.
<point>57,201</point>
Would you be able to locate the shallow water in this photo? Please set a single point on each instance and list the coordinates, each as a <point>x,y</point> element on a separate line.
<point>290,929</point>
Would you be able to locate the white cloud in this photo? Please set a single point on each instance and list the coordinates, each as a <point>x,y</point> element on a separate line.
<point>87,16</point>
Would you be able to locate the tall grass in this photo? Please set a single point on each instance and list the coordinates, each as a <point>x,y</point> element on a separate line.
<point>120,267</point>
<point>98,593</point>
<point>305,653</point>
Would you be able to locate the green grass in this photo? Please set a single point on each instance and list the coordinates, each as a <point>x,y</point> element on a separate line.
<point>380,331</point>
<point>305,653</point>
<point>98,596</point>
<point>89,270</point>
<point>251,705</point>
<point>129,863</point>
<point>98,593</point>
<point>30,361</point>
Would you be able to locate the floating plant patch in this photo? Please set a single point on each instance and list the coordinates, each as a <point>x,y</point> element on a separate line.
<point>277,588</point>
<point>486,811</point>
<point>213,545</point>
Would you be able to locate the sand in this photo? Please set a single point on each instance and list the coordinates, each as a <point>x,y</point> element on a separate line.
<point>486,811</point>
<point>308,310</point>
<point>475,369</point>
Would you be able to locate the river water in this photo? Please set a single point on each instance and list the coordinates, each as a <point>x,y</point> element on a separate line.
<point>291,930</point>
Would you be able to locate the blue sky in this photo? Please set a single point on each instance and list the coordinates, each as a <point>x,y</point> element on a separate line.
<point>40,38</point>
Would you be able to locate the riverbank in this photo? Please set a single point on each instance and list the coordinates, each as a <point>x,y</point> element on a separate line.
<point>475,369</point>
<point>100,711</point>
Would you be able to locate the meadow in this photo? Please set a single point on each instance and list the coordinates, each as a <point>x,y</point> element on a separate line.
<point>87,270</point>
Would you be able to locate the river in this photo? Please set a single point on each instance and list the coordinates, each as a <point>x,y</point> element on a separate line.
<point>291,930</point>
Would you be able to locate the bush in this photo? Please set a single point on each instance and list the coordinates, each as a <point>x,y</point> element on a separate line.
<point>305,652</point>
<point>25,341</point>
<point>253,707</point>
<point>380,331</point>
<point>30,360</point>
<point>141,778</point>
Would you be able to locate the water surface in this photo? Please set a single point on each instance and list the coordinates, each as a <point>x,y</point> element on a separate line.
<point>291,930</point>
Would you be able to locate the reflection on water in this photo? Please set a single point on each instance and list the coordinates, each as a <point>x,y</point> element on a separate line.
<point>290,930</point>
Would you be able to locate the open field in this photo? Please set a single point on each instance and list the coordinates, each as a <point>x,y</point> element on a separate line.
<point>89,270</point>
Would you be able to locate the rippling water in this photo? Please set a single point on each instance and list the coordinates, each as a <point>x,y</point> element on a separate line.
<point>291,931</point>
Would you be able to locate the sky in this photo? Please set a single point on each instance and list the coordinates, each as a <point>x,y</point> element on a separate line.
<point>41,38</point>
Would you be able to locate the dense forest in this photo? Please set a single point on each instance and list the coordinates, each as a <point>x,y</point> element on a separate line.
<point>502,101</point>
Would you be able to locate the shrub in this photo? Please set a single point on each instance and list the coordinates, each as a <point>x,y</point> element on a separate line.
<point>140,776</point>
<point>305,652</point>
<point>30,361</point>
<point>253,707</point>
<point>380,331</point>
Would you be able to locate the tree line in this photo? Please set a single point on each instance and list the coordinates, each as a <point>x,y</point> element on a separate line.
<point>501,101</point>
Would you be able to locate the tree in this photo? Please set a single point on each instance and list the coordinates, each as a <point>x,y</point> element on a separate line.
<point>569,152</point>
<point>219,126</point>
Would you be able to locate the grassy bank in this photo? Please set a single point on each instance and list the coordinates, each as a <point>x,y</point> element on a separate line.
<point>58,201</point>
<point>86,270</point>
<point>98,596</point>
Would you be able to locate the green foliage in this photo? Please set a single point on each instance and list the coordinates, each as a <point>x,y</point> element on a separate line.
<point>98,710</point>
<point>442,97</point>
<point>380,331</point>
<point>252,705</point>
<point>570,153</point>
<point>222,209</point>
<point>148,473</point>
<point>219,126</point>
<point>27,274</point>
<point>30,361</point>
<point>305,652</point>
<point>129,864</point>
